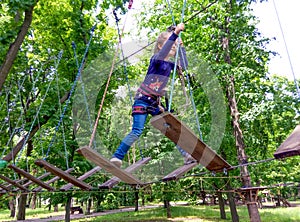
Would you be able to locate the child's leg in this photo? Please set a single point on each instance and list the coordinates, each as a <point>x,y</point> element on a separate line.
<point>188,159</point>
<point>182,151</point>
<point>137,129</point>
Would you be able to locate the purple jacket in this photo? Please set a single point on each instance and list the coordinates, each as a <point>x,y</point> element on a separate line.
<point>159,72</point>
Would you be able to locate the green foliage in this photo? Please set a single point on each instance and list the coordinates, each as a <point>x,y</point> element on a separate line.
<point>267,105</point>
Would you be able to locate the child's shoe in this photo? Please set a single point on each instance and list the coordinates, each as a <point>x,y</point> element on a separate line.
<point>188,159</point>
<point>116,161</point>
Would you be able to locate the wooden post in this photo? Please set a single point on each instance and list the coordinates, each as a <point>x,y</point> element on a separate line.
<point>88,209</point>
<point>136,200</point>
<point>68,207</point>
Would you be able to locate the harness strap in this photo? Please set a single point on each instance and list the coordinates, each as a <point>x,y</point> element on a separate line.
<point>139,110</point>
<point>145,90</point>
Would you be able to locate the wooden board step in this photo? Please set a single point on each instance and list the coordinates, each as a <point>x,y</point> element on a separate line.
<point>14,183</point>
<point>115,180</point>
<point>4,188</point>
<point>60,173</point>
<point>176,174</point>
<point>104,163</point>
<point>30,177</point>
<point>52,180</point>
<point>291,146</point>
<point>181,135</point>
<point>81,178</point>
<point>20,181</point>
<point>40,178</point>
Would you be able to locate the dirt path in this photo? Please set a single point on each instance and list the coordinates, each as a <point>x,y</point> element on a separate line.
<point>78,216</point>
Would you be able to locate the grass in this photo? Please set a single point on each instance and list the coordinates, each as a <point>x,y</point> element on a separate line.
<point>199,213</point>
<point>32,214</point>
<point>179,214</point>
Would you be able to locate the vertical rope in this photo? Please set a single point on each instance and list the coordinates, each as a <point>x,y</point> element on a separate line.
<point>63,131</point>
<point>72,89</point>
<point>187,76</point>
<point>105,92</point>
<point>122,53</point>
<point>176,58</point>
<point>287,51</point>
<point>43,99</point>
<point>83,92</point>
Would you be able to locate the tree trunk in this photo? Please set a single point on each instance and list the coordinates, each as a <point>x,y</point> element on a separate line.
<point>221,205</point>
<point>33,201</point>
<point>232,205</point>
<point>168,208</point>
<point>50,204</point>
<point>237,131</point>
<point>68,208</point>
<point>12,207</point>
<point>40,202</point>
<point>22,207</point>
<point>88,209</point>
<point>240,146</point>
<point>15,46</point>
<point>136,199</point>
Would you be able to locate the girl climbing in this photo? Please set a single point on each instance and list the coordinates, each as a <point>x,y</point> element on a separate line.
<point>147,98</point>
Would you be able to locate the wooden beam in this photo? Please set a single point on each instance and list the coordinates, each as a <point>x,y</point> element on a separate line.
<point>81,178</point>
<point>99,160</point>
<point>30,177</point>
<point>13,183</point>
<point>40,178</point>
<point>19,181</point>
<point>58,172</point>
<point>54,179</point>
<point>115,180</point>
<point>176,174</point>
<point>184,137</point>
<point>4,188</point>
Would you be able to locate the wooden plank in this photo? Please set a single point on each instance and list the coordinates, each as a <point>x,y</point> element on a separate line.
<point>96,158</point>
<point>13,183</point>
<point>176,174</point>
<point>115,180</point>
<point>81,178</point>
<point>4,188</point>
<point>52,180</point>
<point>60,173</point>
<point>40,178</point>
<point>181,135</point>
<point>30,177</point>
<point>291,146</point>
<point>251,188</point>
<point>19,181</point>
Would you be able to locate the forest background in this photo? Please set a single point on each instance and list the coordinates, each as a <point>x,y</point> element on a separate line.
<point>56,57</point>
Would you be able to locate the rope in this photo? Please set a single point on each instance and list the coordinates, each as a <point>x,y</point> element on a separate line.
<point>125,67</point>
<point>72,89</point>
<point>8,112</point>
<point>176,57</point>
<point>63,131</point>
<point>83,91</point>
<point>193,104</point>
<point>186,71</point>
<point>105,92</point>
<point>287,51</point>
<point>43,99</point>
<point>122,53</point>
<point>111,70</point>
